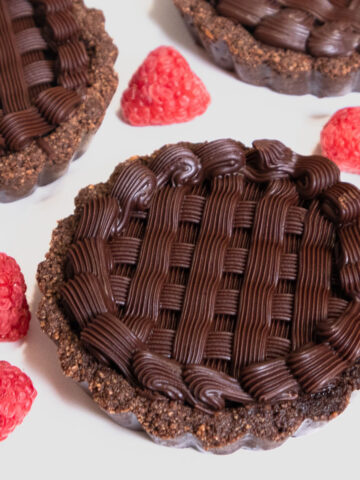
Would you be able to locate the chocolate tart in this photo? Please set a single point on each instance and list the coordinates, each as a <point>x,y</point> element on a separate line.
<point>290,46</point>
<point>209,293</point>
<point>57,80</point>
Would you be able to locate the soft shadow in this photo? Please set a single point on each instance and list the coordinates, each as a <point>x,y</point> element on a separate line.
<point>317,150</point>
<point>166,15</point>
<point>120,115</point>
<point>319,116</point>
<point>41,355</point>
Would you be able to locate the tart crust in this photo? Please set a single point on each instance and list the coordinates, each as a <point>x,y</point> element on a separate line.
<point>22,172</point>
<point>234,48</point>
<point>165,421</point>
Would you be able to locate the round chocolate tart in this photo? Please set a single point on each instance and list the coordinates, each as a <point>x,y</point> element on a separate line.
<point>57,79</point>
<point>291,46</point>
<point>209,293</point>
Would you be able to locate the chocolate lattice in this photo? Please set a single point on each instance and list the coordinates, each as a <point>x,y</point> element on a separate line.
<point>320,27</point>
<point>216,274</point>
<point>43,64</point>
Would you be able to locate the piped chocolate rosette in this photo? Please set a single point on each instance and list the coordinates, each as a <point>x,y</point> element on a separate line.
<point>213,278</point>
<point>291,46</point>
<point>47,73</point>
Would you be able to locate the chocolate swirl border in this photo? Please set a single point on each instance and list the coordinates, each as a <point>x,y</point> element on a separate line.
<point>254,381</point>
<point>231,46</point>
<point>318,27</point>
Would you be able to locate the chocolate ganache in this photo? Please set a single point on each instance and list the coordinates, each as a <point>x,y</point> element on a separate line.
<point>44,68</point>
<point>216,274</point>
<point>318,27</point>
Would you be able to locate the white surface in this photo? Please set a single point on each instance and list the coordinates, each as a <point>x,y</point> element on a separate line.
<point>65,435</point>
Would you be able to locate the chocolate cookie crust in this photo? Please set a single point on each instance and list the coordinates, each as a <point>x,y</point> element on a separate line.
<point>41,162</point>
<point>261,425</point>
<point>234,48</point>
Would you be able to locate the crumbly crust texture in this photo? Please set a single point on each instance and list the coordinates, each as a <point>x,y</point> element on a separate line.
<point>234,48</point>
<point>22,172</point>
<point>166,421</point>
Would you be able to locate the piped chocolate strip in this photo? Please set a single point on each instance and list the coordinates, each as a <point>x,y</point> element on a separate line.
<point>145,290</point>
<point>262,275</point>
<point>199,302</point>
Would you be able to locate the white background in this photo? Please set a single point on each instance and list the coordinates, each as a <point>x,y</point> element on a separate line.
<point>65,435</point>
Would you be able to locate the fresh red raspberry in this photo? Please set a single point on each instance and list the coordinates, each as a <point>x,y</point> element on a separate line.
<point>340,139</point>
<point>164,90</point>
<point>17,394</point>
<point>14,310</point>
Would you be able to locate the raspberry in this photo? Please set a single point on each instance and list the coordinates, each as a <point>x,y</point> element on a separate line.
<point>164,90</point>
<point>17,394</point>
<point>14,310</point>
<point>340,139</point>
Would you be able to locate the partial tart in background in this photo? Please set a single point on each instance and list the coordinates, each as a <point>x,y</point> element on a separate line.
<point>208,293</point>
<point>57,80</point>
<point>291,46</point>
